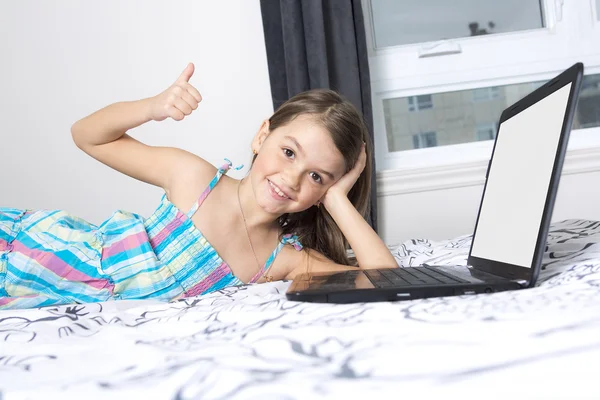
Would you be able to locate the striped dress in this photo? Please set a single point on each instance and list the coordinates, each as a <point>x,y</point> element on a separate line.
<point>49,257</point>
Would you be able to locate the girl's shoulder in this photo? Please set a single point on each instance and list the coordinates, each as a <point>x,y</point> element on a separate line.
<point>187,186</point>
<point>290,261</point>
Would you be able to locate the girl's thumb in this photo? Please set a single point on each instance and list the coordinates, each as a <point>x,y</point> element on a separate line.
<point>187,73</point>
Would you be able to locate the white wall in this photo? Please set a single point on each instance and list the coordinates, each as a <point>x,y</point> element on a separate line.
<point>444,214</point>
<point>443,203</point>
<point>62,60</point>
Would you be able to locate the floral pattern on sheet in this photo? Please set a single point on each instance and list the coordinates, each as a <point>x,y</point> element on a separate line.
<point>251,343</point>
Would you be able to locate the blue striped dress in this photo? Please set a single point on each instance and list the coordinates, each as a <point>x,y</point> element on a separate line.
<point>49,257</point>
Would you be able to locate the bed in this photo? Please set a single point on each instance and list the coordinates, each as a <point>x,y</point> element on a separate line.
<point>251,343</point>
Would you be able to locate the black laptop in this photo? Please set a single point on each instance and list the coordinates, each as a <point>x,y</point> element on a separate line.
<point>514,215</point>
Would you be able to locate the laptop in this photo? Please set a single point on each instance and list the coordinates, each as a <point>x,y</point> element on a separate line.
<point>513,219</point>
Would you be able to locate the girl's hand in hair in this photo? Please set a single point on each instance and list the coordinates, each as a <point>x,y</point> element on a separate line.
<point>179,100</point>
<point>343,186</point>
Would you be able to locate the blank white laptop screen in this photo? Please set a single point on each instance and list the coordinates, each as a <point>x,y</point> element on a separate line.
<point>518,182</point>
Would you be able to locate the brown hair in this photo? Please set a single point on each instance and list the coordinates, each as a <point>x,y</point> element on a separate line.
<point>314,227</point>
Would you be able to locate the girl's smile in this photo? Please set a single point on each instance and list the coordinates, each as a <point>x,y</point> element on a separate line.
<point>277,193</point>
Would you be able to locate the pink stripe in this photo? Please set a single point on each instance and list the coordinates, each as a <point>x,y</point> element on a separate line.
<point>53,263</point>
<point>7,300</point>
<point>127,243</point>
<point>3,245</point>
<point>203,196</point>
<point>167,230</point>
<point>258,275</point>
<point>210,280</point>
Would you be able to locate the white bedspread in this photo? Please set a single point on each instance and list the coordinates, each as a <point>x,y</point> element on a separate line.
<point>251,343</point>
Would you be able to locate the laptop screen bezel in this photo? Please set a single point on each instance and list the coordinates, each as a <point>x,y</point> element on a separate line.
<point>574,76</point>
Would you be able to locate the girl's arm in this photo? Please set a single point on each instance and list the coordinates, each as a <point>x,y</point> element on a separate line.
<point>103,136</point>
<point>369,249</point>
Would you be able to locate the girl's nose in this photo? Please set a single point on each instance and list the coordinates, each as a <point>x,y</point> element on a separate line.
<point>291,177</point>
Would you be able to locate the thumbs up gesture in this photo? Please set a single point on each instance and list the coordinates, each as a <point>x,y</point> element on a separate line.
<point>179,100</point>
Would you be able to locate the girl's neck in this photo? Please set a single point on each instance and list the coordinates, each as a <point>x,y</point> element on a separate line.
<point>257,219</point>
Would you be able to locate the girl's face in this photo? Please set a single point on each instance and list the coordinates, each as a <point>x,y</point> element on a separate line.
<point>295,166</point>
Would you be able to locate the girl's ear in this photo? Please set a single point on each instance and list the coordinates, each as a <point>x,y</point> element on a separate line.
<point>260,136</point>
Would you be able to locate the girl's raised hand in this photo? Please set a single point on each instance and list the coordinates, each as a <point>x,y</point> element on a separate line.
<point>179,100</point>
<point>346,182</point>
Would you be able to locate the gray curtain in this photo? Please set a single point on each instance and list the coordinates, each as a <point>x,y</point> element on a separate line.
<point>319,44</point>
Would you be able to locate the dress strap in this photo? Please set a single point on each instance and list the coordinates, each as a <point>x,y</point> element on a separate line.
<point>286,239</point>
<point>220,172</point>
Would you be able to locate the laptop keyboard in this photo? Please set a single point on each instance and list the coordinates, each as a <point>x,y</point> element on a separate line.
<point>410,276</point>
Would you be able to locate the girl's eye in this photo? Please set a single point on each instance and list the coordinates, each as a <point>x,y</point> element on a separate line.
<point>288,153</point>
<point>316,177</point>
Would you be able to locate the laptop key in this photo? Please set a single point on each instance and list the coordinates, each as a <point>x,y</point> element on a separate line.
<point>443,275</point>
<point>384,284</point>
<point>377,278</point>
<point>417,276</point>
<point>411,279</point>
<point>392,276</point>
<point>409,276</point>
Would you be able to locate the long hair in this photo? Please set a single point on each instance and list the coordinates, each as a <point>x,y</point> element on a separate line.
<point>314,227</point>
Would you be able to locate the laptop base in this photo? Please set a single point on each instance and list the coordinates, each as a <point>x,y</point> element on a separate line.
<point>363,286</point>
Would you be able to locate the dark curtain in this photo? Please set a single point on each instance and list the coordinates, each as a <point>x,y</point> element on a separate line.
<point>319,44</point>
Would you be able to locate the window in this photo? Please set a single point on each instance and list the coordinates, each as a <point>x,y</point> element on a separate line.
<point>486,94</point>
<point>486,132</point>
<point>424,139</point>
<point>451,68</point>
<point>418,103</point>
<point>407,22</point>
<point>587,113</point>
<point>460,113</point>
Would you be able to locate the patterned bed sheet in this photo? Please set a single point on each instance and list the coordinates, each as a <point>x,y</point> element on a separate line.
<point>252,343</point>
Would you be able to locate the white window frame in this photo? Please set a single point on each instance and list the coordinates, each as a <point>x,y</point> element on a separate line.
<point>572,34</point>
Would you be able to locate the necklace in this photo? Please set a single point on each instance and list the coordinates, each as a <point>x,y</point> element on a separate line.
<point>268,278</point>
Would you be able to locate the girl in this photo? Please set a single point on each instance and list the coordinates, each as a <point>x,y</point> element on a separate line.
<point>301,204</point>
